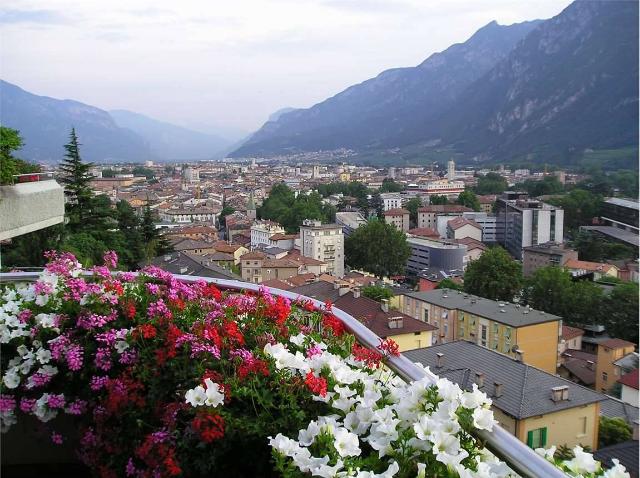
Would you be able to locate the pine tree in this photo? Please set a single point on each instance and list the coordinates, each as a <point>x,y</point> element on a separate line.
<point>76,177</point>
<point>154,243</point>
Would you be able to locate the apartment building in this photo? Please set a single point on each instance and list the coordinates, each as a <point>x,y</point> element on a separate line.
<point>538,407</point>
<point>391,201</point>
<point>519,332</point>
<point>527,222</point>
<point>257,267</point>
<point>428,215</point>
<point>609,365</point>
<point>461,228</point>
<point>325,243</point>
<point>261,232</point>
<point>545,255</point>
<point>397,217</point>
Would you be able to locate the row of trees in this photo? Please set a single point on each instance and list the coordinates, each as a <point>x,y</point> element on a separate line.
<point>284,207</point>
<point>92,226</point>
<point>11,141</point>
<point>497,276</point>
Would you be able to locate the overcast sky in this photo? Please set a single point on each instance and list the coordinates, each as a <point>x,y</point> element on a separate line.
<point>228,64</point>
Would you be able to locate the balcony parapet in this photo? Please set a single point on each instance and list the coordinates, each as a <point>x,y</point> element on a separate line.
<point>522,459</point>
<point>36,201</point>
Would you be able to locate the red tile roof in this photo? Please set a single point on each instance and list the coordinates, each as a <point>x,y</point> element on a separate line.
<point>459,222</point>
<point>277,284</point>
<point>253,255</point>
<point>588,266</point>
<point>424,232</point>
<point>616,343</point>
<point>569,333</point>
<point>472,243</point>
<point>630,379</point>
<point>395,212</point>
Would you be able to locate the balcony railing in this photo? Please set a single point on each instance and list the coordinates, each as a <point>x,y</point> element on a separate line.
<point>522,459</point>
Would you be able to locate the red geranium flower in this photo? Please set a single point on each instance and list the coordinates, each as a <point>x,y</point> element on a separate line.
<point>317,385</point>
<point>208,427</point>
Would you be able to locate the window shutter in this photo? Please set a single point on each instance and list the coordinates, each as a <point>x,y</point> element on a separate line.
<point>530,439</point>
<point>543,437</point>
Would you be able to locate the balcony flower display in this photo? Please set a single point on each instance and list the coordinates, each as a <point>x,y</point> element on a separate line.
<point>166,378</point>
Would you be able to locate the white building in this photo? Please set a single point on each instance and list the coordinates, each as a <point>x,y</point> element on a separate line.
<point>196,214</point>
<point>323,242</point>
<point>451,170</point>
<point>261,232</point>
<point>191,175</point>
<point>391,201</point>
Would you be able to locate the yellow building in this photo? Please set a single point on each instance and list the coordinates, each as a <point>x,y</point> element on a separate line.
<point>528,334</point>
<point>607,372</point>
<point>539,408</point>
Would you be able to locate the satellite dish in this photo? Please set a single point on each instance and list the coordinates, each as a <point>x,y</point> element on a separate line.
<point>515,348</point>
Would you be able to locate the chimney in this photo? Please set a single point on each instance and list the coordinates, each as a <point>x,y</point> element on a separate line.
<point>384,305</point>
<point>591,365</point>
<point>343,289</point>
<point>498,389</point>
<point>336,286</point>
<point>520,355</point>
<point>480,379</point>
<point>356,293</point>
<point>558,394</point>
<point>439,360</point>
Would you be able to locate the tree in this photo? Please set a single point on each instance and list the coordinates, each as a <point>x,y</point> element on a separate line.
<point>447,283</point>
<point>436,199</point>
<point>585,304</point>
<point>612,431</point>
<point>492,183</point>
<point>621,305</point>
<point>494,275</point>
<point>379,248</point>
<point>593,248</point>
<point>548,289</point>
<point>548,185</point>
<point>28,250</point>
<point>412,206</point>
<point>377,292</point>
<point>129,227</point>
<point>469,199</point>
<point>154,243</point>
<point>377,204</point>
<point>390,186</point>
<point>226,210</point>
<point>10,141</point>
<point>76,177</point>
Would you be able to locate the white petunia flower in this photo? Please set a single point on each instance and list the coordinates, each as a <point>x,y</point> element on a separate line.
<point>214,392</point>
<point>346,443</point>
<point>196,396</point>
<point>483,419</point>
<point>582,462</point>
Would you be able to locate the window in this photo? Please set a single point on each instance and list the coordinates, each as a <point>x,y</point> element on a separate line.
<point>483,335</point>
<point>604,376</point>
<point>583,425</point>
<point>537,438</point>
<point>426,315</point>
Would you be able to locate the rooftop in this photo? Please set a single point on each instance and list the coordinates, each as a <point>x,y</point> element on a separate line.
<point>615,233</point>
<point>526,390</point>
<point>512,315</point>
<point>396,212</point>
<point>459,222</point>
<point>626,452</point>
<point>630,379</point>
<point>569,333</point>
<point>616,343</point>
<point>630,203</point>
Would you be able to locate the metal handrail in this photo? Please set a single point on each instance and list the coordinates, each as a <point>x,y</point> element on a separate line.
<point>503,444</point>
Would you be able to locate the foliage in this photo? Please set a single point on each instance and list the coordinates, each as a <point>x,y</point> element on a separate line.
<point>491,183</point>
<point>155,244</point>
<point>580,207</point>
<point>354,189</point>
<point>226,210</point>
<point>612,431</point>
<point>436,199</point>
<point>548,289</point>
<point>27,250</point>
<point>379,248</point>
<point>412,206</point>
<point>76,176</point>
<point>621,305</point>
<point>377,205</point>
<point>143,171</point>
<point>10,141</point>
<point>390,186</point>
<point>623,182</point>
<point>450,284</point>
<point>285,208</point>
<point>469,199</point>
<point>494,275</point>
<point>377,292</point>
<point>548,185</point>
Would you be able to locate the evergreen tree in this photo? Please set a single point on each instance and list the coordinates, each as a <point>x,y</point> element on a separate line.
<point>76,177</point>
<point>129,226</point>
<point>154,243</point>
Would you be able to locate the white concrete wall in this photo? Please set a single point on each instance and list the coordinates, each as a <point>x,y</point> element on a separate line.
<point>28,207</point>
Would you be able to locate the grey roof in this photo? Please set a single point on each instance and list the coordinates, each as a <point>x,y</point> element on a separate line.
<point>513,315</point>
<point>614,232</point>
<point>187,264</point>
<point>615,408</point>
<point>526,389</point>
<point>626,452</point>
<point>320,290</point>
<point>630,203</point>
<point>629,361</point>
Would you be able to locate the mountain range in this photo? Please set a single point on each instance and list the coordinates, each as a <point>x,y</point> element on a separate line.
<point>106,136</point>
<point>540,90</point>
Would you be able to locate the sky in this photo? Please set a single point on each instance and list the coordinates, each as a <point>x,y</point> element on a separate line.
<point>225,66</point>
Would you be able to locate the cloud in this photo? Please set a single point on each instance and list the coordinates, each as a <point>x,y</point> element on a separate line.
<point>31,16</point>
